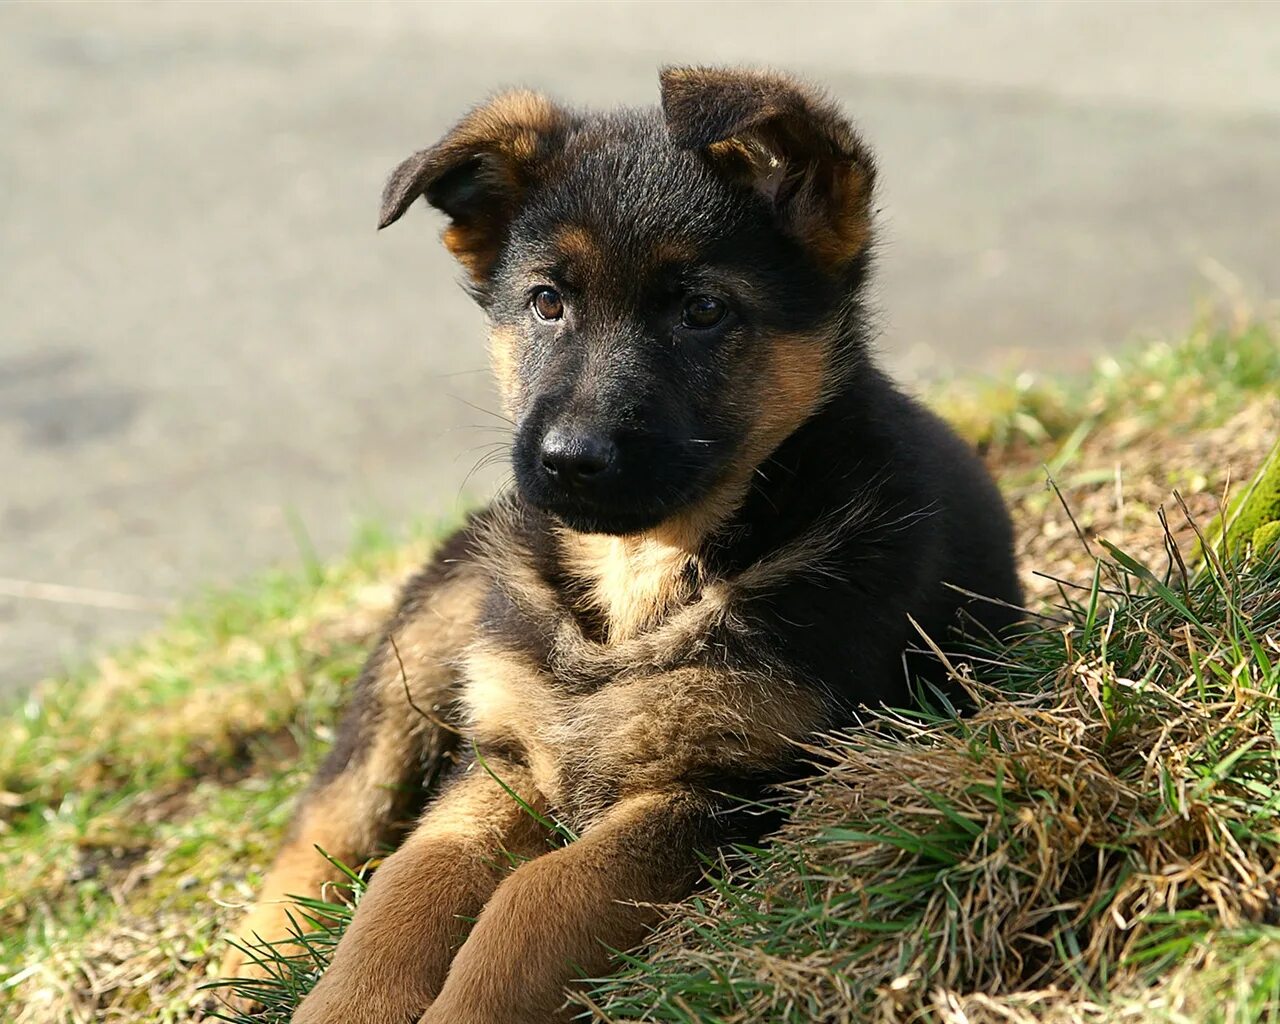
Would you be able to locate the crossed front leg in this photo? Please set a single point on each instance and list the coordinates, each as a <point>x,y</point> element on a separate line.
<point>555,918</point>
<point>551,920</point>
<point>392,960</point>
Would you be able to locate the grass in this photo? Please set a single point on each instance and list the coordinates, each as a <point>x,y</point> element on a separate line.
<point>1099,848</point>
<point>1059,854</point>
<point>133,795</point>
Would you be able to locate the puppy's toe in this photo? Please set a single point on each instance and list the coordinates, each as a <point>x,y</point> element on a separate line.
<point>337,1001</point>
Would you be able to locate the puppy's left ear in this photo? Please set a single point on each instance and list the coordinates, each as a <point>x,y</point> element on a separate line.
<point>479,174</point>
<point>785,140</point>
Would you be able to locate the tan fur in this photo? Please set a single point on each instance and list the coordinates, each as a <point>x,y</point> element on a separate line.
<point>795,382</point>
<point>393,959</point>
<point>504,357</point>
<point>352,815</point>
<point>520,117</point>
<point>673,252</point>
<point>577,245</point>
<point>837,229</point>
<point>507,702</point>
<point>631,580</point>
<point>786,390</point>
<point>636,734</point>
<point>300,871</point>
<point>555,918</point>
<point>470,248</point>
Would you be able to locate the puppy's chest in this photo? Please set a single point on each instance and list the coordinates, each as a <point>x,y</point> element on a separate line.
<point>588,746</point>
<point>660,697</point>
<point>690,723</point>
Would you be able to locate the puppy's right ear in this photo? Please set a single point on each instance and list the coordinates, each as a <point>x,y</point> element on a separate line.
<point>479,173</point>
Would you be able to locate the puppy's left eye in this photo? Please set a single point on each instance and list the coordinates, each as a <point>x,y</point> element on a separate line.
<point>702,312</point>
<point>548,304</point>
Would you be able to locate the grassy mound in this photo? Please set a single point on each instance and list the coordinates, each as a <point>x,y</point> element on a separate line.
<point>1100,847</point>
<point>1054,857</point>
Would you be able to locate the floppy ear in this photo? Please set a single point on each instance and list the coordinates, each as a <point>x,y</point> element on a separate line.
<point>787,141</point>
<point>479,173</point>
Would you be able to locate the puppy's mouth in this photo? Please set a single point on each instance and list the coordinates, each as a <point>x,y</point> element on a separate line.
<point>587,518</point>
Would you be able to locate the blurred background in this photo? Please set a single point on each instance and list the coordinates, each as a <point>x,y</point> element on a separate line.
<point>210,362</point>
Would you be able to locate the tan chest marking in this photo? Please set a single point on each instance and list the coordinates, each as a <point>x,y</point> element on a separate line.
<point>508,701</point>
<point>631,581</point>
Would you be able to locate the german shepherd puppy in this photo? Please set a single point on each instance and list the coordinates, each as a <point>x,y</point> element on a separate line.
<point>727,528</point>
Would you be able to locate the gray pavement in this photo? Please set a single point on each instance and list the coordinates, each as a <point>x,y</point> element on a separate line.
<point>202,339</point>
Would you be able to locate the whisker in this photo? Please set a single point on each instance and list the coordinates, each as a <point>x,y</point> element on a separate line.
<point>482,463</point>
<point>481,409</point>
<point>488,451</point>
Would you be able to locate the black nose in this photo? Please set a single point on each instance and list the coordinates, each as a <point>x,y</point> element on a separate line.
<point>574,457</point>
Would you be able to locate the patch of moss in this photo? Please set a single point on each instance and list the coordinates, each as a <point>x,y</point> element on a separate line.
<point>1266,538</point>
<point>1253,521</point>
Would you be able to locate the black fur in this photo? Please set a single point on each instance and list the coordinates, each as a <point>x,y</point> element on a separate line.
<point>619,364</point>
<point>728,531</point>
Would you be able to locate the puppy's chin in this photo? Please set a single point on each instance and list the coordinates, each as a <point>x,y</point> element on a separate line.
<point>619,513</point>
<point>586,520</point>
<point>585,516</point>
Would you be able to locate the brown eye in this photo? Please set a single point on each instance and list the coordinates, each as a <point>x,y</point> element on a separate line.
<point>548,304</point>
<point>702,312</point>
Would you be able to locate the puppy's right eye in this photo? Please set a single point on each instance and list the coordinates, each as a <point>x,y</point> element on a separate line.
<point>548,304</point>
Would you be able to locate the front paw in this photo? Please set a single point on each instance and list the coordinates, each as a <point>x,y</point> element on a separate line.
<point>372,1000</point>
<point>445,1011</point>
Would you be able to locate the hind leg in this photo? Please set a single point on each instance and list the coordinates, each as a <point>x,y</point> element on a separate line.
<point>390,741</point>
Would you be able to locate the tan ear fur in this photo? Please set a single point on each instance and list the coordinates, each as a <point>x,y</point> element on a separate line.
<point>478,173</point>
<point>786,140</point>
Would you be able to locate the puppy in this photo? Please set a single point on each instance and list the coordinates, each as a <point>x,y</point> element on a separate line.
<point>725,520</point>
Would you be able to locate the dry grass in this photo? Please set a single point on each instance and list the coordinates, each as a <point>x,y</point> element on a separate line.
<point>1051,858</point>
<point>1047,862</point>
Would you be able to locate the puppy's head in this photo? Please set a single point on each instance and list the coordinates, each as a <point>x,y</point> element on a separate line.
<point>666,289</point>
